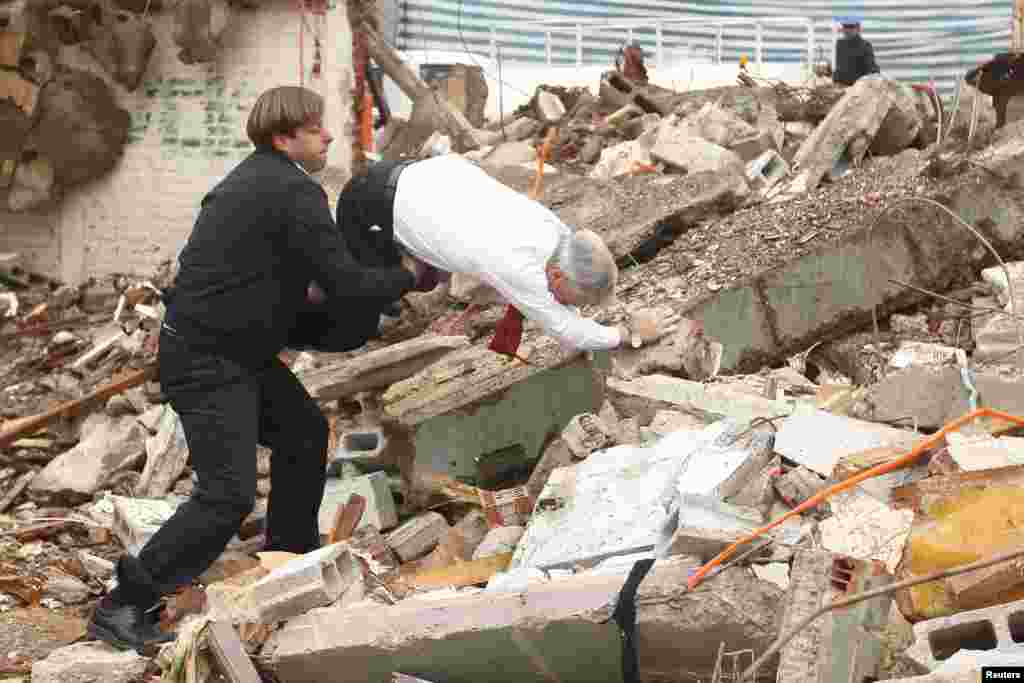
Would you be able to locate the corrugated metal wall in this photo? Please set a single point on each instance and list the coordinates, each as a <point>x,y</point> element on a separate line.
<point>914,39</point>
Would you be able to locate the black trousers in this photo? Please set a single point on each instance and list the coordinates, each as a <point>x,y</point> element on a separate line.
<point>226,409</point>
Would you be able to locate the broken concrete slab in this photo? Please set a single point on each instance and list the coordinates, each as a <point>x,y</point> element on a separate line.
<point>901,125</point>
<point>840,645</point>
<point>846,133</point>
<point>717,125</point>
<point>89,662</point>
<point>628,499</point>
<point>672,204</point>
<point>374,487</point>
<point>475,413</point>
<point>983,629</point>
<point>108,445</point>
<point>864,528</point>
<point>621,160</point>
<point>711,400</point>
<point>800,439</point>
<point>67,589</point>
<point>677,148</point>
<point>554,630</point>
<point>985,452</point>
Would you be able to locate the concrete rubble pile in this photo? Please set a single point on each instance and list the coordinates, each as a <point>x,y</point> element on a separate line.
<point>482,516</point>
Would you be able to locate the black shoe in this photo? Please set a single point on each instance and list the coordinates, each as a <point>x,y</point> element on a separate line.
<point>127,627</point>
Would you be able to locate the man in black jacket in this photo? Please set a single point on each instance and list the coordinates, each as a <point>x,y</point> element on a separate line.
<point>244,291</point>
<point>854,56</point>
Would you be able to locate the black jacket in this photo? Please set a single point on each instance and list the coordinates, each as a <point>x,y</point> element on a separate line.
<point>263,234</point>
<point>854,58</point>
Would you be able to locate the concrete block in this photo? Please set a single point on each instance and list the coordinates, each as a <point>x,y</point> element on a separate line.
<point>552,630</point>
<point>364,448</point>
<point>89,662</point>
<point>312,580</point>
<point>982,629</point>
<point>374,487</point>
<point>840,646</point>
<point>418,536</point>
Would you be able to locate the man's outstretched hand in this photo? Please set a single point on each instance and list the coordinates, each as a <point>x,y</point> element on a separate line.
<point>647,327</point>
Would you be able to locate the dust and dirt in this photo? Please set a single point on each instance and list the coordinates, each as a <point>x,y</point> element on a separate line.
<point>34,632</point>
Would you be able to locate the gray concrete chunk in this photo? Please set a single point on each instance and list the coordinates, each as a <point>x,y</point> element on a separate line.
<point>89,663</point>
<point>555,630</point>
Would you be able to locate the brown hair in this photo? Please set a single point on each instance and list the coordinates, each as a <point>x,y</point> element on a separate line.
<point>280,111</point>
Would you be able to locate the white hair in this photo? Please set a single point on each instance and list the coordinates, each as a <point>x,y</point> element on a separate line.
<point>590,267</point>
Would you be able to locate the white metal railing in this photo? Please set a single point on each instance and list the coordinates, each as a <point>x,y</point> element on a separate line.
<point>597,27</point>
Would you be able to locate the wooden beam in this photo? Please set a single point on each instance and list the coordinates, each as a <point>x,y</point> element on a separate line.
<point>347,518</point>
<point>229,655</point>
<point>30,425</point>
<point>449,119</point>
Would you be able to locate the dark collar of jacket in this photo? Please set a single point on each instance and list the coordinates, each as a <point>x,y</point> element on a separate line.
<point>269,153</point>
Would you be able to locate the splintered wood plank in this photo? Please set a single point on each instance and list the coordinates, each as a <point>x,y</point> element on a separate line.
<point>347,518</point>
<point>461,573</point>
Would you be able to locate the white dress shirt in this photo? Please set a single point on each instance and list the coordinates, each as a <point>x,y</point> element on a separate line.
<point>450,214</point>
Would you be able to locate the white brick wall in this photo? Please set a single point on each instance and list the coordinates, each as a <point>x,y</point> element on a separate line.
<point>141,213</point>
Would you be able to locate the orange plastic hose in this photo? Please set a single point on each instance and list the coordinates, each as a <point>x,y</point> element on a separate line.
<point>545,152</point>
<point>875,471</point>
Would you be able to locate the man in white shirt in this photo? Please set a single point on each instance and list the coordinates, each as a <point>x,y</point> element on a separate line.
<point>448,213</point>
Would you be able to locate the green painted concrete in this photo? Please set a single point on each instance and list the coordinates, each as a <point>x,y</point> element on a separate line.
<point>195,118</point>
<point>522,415</point>
<point>832,291</point>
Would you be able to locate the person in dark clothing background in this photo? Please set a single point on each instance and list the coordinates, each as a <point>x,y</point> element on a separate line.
<point>855,57</point>
<point>265,268</point>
